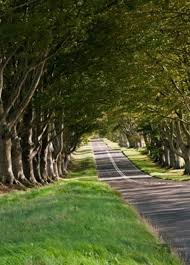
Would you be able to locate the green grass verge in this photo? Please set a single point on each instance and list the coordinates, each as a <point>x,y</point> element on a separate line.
<point>79,221</point>
<point>113,145</point>
<point>146,164</point>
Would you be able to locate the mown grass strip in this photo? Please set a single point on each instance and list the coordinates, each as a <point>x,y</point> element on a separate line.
<point>79,221</point>
<point>146,164</point>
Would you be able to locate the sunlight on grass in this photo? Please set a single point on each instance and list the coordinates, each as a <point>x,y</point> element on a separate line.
<point>77,221</point>
<point>113,145</point>
<point>83,165</point>
<point>145,163</point>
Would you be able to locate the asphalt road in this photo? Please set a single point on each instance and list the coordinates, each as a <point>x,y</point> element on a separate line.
<point>166,204</point>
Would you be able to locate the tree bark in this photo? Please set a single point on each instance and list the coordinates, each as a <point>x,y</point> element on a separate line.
<point>60,162</point>
<point>6,170</point>
<point>17,158</point>
<point>43,158</point>
<point>57,143</point>
<point>36,166</point>
<point>187,161</point>
<point>28,146</point>
<point>167,157</point>
<point>173,162</point>
<point>179,162</point>
<point>66,163</point>
<point>187,166</point>
<point>50,167</point>
<point>56,170</point>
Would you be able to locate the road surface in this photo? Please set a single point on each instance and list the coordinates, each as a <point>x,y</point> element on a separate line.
<point>166,204</point>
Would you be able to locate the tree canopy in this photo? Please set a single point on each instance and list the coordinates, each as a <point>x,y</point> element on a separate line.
<point>68,68</point>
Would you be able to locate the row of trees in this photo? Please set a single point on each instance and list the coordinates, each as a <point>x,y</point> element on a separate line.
<point>56,82</point>
<point>156,101</point>
<point>66,65</point>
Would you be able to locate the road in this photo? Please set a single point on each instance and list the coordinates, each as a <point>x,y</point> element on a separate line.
<point>166,204</point>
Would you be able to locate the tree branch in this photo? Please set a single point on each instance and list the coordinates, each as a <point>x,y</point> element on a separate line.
<point>23,105</point>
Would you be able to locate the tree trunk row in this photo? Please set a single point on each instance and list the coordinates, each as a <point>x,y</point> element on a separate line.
<point>167,144</point>
<point>29,157</point>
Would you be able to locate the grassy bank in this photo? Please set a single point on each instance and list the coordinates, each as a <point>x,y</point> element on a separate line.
<point>79,221</point>
<point>146,164</point>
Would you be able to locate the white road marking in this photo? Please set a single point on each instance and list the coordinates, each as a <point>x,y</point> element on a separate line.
<point>123,176</point>
<point>121,173</point>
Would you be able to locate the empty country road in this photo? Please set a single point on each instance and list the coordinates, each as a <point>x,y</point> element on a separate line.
<point>166,204</point>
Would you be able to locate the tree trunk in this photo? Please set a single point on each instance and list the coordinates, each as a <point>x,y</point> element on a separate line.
<point>50,166</point>
<point>142,141</point>
<point>162,157</point>
<point>36,166</point>
<point>176,161</point>
<point>66,163</point>
<point>17,159</point>
<point>43,157</point>
<point>173,162</point>
<point>28,165</point>
<point>57,149</point>
<point>179,162</point>
<point>187,161</point>
<point>187,166</point>
<point>28,147</point>
<point>127,144</point>
<point>6,171</point>
<point>55,167</point>
<point>167,157</point>
<point>60,162</point>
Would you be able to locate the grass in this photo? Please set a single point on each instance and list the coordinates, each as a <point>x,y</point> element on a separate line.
<point>78,221</point>
<point>146,164</point>
<point>113,145</point>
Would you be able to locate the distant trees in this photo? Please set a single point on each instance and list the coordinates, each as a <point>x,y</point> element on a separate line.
<point>157,83</point>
